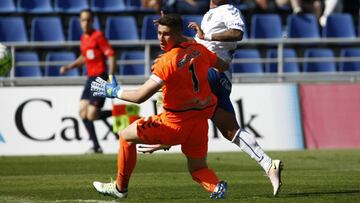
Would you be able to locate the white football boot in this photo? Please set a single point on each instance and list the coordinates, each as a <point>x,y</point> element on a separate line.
<point>274,175</point>
<point>109,189</point>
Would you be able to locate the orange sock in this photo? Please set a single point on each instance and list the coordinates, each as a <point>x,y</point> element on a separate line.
<point>126,163</point>
<point>206,178</point>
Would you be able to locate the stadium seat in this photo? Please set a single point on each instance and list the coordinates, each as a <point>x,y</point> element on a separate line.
<point>191,18</point>
<point>47,29</point>
<point>266,26</point>
<point>132,69</point>
<point>136,6</point>
<point>350,65</point>
<point>149,30</point>
<point>339,25</point>
<point>302,26</point>
<point>328,66</point>
<point>247,54</point>
<point>288,66</point>
<point>64,58</point>
<point>70,6</point>
<point>133,3</point>
<point>30,70</point>
<point>12,29</point>
<point>121,28</point>
<point>34,6</point>
<point>74,29</point>
<point>107,6</point>
<point>7,6</point>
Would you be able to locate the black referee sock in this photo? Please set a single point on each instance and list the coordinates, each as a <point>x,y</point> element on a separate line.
<point>89,125</point>
<point>105,114</point>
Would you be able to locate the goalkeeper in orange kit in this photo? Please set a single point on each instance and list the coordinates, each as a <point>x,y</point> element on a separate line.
<point>188,103</point>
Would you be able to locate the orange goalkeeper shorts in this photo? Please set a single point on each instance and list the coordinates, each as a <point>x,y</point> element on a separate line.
<point>191,134</point>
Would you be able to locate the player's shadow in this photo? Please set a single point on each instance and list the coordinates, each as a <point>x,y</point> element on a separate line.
<point>302,194</point>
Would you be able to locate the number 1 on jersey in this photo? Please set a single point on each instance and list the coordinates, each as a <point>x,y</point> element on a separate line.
<point>194,78</point>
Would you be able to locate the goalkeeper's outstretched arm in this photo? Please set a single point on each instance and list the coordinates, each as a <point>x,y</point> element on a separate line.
<point>102,88</point>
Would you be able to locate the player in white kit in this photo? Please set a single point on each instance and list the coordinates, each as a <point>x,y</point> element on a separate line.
<point>221,28</point>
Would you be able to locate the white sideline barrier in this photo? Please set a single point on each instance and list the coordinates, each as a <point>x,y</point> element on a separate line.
<point>45,121</point>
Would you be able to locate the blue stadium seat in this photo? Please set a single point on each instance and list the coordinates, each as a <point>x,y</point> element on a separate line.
<point>191,18</point>
<point>288,66</point>
<point>132,69</point>
<point>133,3</point>
<point>27,71</point>
<point>7,6</point>
<point>136,6</point>
<point>241,4</point>
<point>64,58</point>
<point>70,6</point>
<point>12,29</point>
<point>47,29</point>
<point>34,6</point>
<point>302,26</point>
<point>107,6</point>
<point>266,26</point>
<point>350,66</point>
<point>247,54</point>
<point>339,25</point>
<point>121,28</point>
<point>328,66</point>
<point>74,29</point>
<point>149,30</point>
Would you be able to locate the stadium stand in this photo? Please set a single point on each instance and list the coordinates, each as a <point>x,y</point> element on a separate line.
<point>326,66</point>
<point>302,26</point>
<point>47,29</point>
<point>26,25</point>
<point>7,6</point>
<point>34,6</point>
<point>266,26</point>
<point>350,65</point>
<point>339,25</point>
<point>70,6</point>
<point>132,69</point>
<point>149,30</point>
<point>107,6</point>
<point>30,70</point>
<point>65,58</point>
<point>121,28</point>
<point>289,67</point>
<point>191,18</point>
<point>251,67</point>
<point>12,29</point>
<point>74,29</point>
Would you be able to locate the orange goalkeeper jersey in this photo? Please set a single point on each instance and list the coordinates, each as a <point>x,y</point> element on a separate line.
<point>184,71</point>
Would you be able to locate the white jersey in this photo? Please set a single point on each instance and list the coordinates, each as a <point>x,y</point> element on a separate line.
<point>220,19</point>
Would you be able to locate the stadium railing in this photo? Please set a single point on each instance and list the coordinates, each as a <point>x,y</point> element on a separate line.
<point>150,46</point>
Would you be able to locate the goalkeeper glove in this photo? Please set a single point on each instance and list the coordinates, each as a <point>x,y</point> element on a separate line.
<point>101,88</point>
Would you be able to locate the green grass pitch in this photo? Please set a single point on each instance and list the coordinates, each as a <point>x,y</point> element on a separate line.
<point>308,176</point>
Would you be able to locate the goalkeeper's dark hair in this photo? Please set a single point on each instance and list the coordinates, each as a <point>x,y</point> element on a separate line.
<point>86,10</point>
<point>172,20</point>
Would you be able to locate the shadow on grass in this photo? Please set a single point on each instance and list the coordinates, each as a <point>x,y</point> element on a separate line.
<point>301,194</point>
